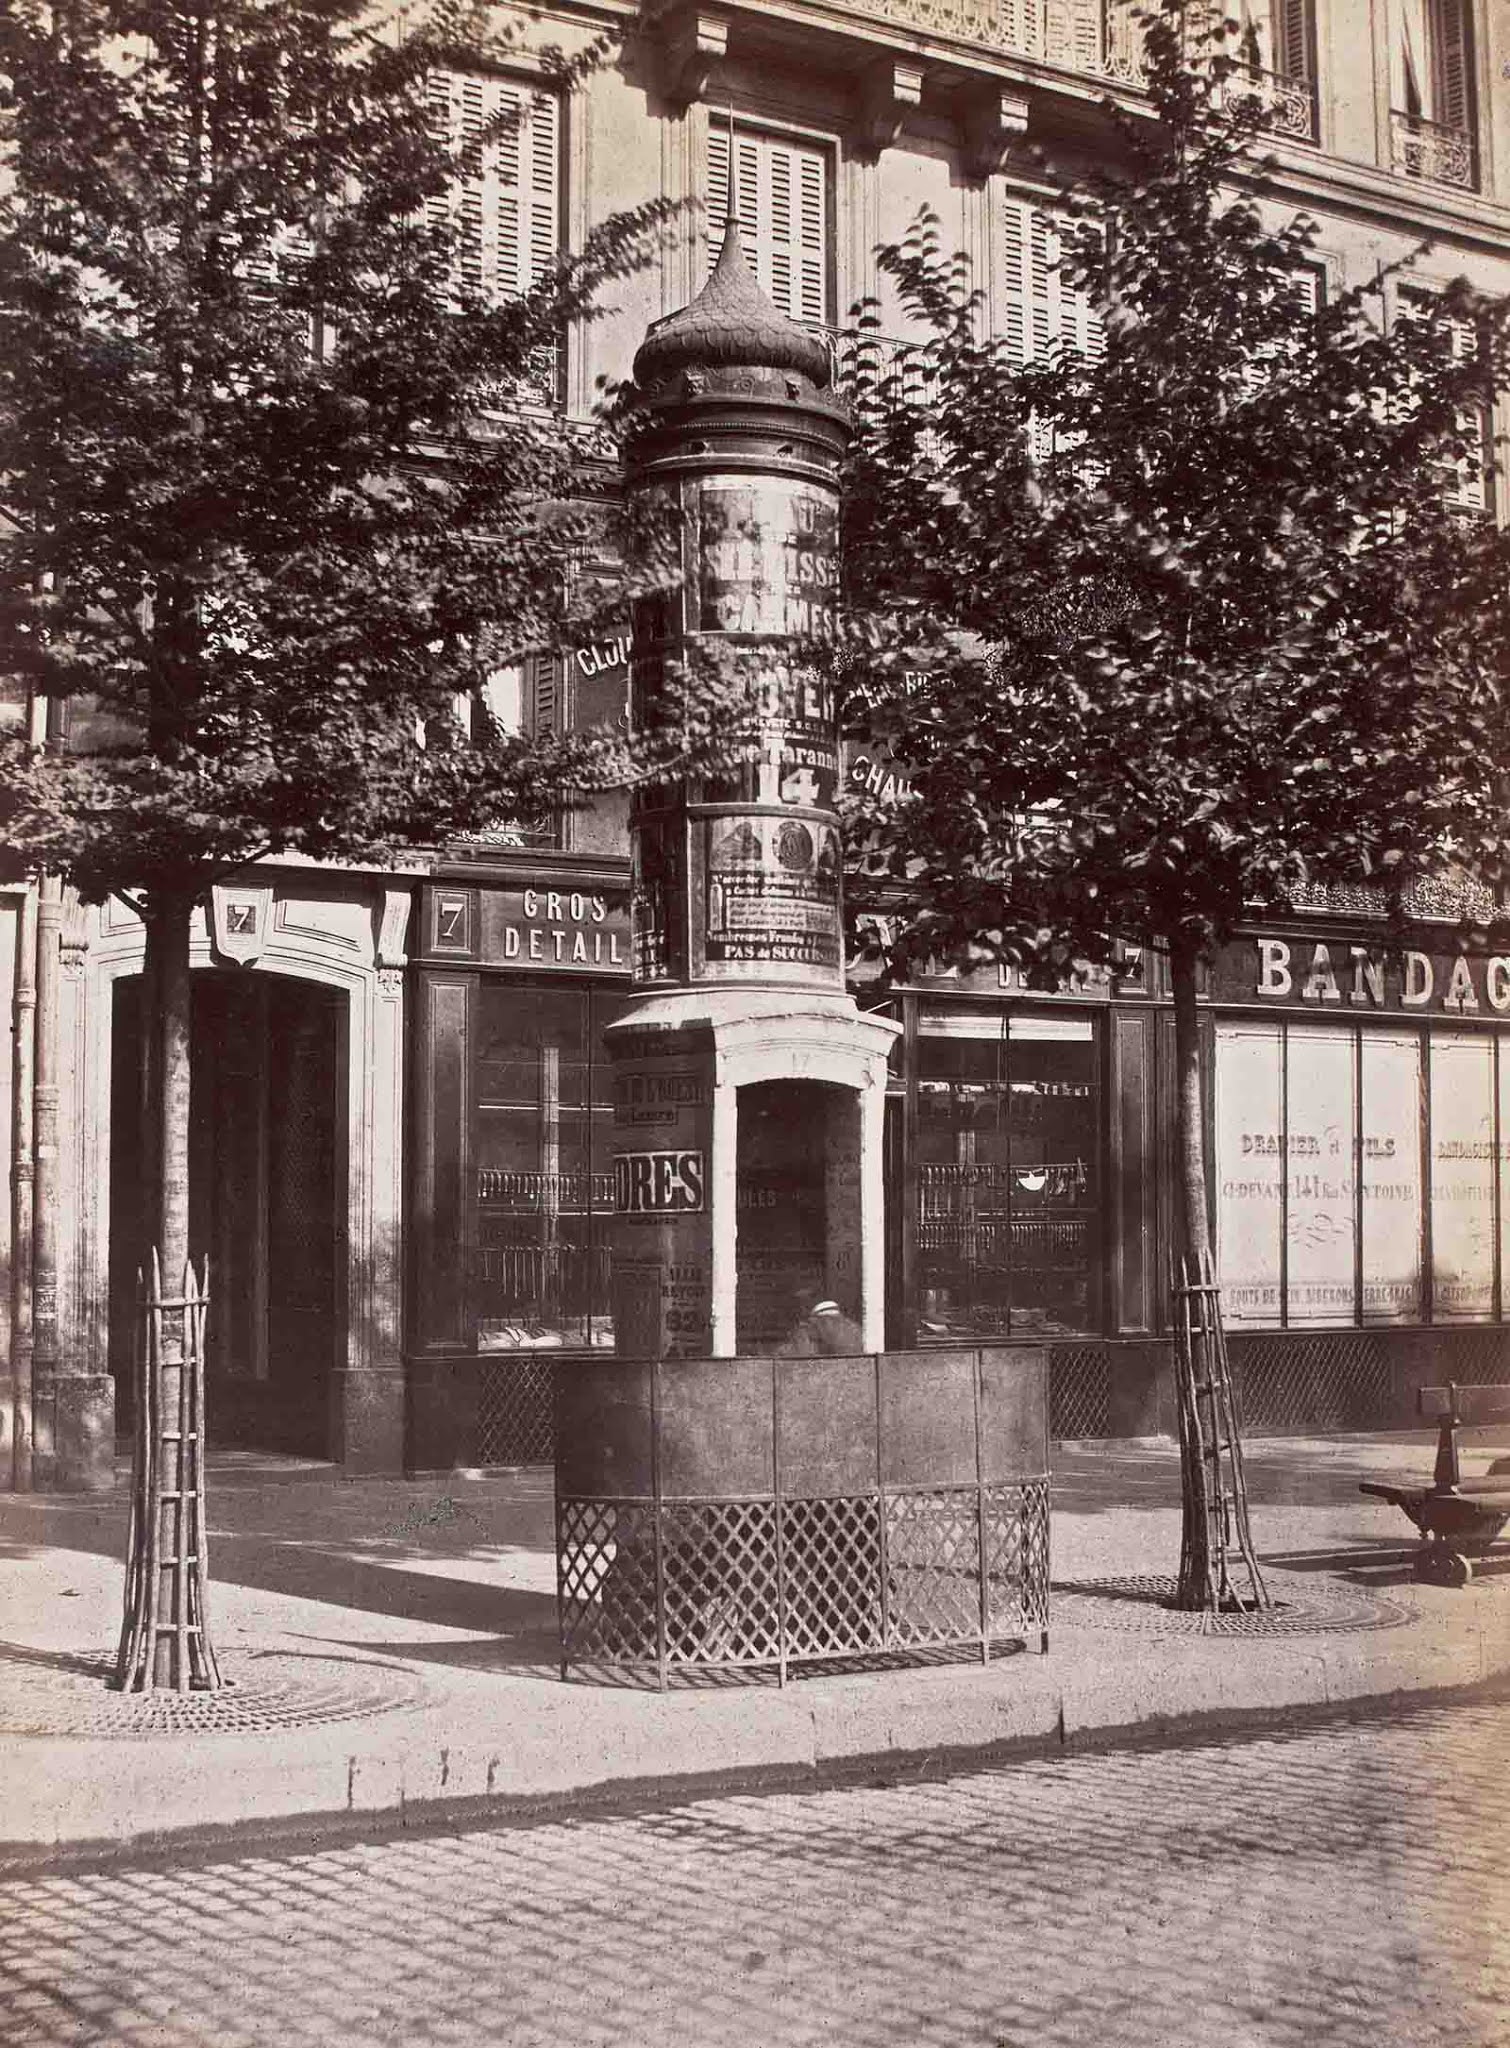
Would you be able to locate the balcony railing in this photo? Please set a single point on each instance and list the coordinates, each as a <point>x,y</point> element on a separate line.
<point>1427,149</point>
<point>1288,104</point>
<point>1099,36</point>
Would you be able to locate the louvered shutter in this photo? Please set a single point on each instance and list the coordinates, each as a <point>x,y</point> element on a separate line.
<point>1292,38</point>
<point>1072,34</point>
<point>546,706</point>
<point>781,200</point>
<point>1040,312</point>
<point>504,206</point>
<point>1468,484</point>
<point>1449,34</point>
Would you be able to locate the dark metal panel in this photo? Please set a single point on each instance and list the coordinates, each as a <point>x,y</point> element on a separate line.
<point>717,1434</point>
<point>927,1418</point>
<point>826,1425</point>
<point>1014,1410</point>
<point>603,1429</point>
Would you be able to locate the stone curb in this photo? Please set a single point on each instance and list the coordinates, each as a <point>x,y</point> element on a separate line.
<point>824,1742</point>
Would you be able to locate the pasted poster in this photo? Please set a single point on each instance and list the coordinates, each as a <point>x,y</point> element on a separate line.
<point>767,560</point>
<point>1462,1178</point>
<point>663,1249</point>
<point>771,892</point>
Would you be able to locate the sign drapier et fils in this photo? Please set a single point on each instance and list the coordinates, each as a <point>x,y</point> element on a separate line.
<point>662,1141</point>
<point>1340,977</point>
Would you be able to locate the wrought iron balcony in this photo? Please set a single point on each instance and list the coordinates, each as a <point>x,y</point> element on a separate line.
<point>1288,104</point>
<point>1427,149</point>
<point>1101,37</point>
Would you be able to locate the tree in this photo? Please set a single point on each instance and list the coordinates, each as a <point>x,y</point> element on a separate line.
<point>1202,614</point>
<point>280,486</point>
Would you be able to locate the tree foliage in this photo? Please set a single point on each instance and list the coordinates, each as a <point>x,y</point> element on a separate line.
<point>1202,616</point>
<point>279,491</point>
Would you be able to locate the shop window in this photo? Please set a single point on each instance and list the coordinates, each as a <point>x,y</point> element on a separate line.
<point>541,1138</point>
<point>1007,1201</point>
<point>1325,1214</point>
<point>781,198</point>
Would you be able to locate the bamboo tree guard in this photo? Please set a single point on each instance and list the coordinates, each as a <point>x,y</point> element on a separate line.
<point>1216,1547</point>
<point>165,1633</point>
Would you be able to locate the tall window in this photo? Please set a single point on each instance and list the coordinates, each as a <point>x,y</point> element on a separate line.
<point>544,1193</point>
<point>1007,1200</point>
<point>781,198</point>
<point>505,205</point>
<point>1040,314</point>
<point>1431,91</point>
<point>1468,483</point>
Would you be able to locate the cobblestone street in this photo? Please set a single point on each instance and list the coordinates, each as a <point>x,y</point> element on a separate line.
<point>1343,1884</point>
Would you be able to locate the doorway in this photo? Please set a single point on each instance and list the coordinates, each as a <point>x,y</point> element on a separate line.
<point>267,1202</point>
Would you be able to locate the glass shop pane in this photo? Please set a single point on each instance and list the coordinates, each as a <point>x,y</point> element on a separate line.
<point>1249,1170</point>
<point>1462,1178</point>
<point>1321,1247</point>
<point>1390,1178</point>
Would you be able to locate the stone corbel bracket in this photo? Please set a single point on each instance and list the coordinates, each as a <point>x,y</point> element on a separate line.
<point>991,124</point>
<point>694,43</point>
<point>887,93</point>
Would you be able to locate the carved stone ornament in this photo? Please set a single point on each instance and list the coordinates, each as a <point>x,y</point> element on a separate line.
<point>992,124</point>
<point>693,43</point>
<point>239,918</point>
<point>887,93</point>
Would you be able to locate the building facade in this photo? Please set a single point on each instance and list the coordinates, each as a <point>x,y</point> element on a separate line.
<point>402,1092</point>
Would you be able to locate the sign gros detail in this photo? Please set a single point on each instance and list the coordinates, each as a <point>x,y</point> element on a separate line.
<point>557,928</point>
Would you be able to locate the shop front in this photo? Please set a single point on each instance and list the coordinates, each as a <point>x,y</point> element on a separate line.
<point>518,971</point>
<point>1360,1131</point>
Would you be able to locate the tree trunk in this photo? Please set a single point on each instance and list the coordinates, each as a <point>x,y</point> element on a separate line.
<point>165,1638</point>
<point>1214,1533</point>
<point>1194,1226</point>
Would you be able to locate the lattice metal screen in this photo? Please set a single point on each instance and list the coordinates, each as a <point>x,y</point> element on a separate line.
<point>516,1422</point>
<point>1079,1390</point>
<point>1338,1381</point>
<point>1472,1357</point>
<point>748,1582</point>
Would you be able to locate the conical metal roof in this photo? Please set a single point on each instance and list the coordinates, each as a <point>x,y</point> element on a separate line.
<point>731,322</point>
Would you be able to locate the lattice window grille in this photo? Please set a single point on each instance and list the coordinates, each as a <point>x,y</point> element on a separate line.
<point>516,1422</point>
<point>1079,1390</point>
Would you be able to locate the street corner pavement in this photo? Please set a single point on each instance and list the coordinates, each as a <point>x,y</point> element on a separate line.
<point>391,1651</point>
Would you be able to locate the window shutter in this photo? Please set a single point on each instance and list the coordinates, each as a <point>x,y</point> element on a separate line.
<point>545,696</point>
<point>1292,38</point>
<point>1469,482</point>
<point>504,206</point>
<point>1040,312</point>
<point>1449,29</point>
<point>781,199</point>
<point>1072,34</point>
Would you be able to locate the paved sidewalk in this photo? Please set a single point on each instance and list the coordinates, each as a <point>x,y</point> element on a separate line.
<point>392,1646</point>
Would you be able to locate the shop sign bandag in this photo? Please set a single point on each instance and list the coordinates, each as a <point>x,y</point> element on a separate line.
<point>1339,976</point>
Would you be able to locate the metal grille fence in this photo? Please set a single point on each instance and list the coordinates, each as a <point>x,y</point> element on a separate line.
<point>1338,1381</point>
<point>761,1582</point>
<point>1079,1390</point>
<point>516,1419</point>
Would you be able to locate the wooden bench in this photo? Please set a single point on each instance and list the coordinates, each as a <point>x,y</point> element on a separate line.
<point>1458,1518</point>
